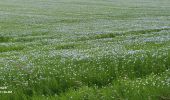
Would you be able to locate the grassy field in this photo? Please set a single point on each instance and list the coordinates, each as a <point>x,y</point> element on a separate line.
<point>85,49</point>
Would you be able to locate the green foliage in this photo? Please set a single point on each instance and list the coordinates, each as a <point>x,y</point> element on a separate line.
<point>85,50</point>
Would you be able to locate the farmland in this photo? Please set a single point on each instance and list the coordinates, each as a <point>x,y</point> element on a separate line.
<point>85,49</point>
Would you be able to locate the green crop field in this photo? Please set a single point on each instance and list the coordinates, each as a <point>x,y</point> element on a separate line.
<point>84,49</point>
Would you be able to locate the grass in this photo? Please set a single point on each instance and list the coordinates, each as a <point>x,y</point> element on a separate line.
<point>85,50</point>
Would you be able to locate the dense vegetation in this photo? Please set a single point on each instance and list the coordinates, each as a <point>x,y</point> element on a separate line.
<point>85,49</point>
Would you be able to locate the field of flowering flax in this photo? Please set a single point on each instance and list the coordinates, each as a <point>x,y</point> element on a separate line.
<point>84,49</point>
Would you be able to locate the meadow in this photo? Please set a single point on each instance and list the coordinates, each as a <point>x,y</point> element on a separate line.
<point>85,49</point>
